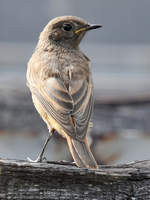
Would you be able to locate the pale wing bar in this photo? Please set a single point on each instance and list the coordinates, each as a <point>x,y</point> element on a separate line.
<point>83,119</point>
<point>83,106</point>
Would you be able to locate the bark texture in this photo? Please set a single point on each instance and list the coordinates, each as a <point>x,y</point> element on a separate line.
<point>57,180</point>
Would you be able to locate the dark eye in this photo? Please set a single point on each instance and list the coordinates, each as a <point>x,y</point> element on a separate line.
<point>67,27</point>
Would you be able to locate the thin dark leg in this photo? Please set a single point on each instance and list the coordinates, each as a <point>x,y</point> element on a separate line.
<point>40,157</point>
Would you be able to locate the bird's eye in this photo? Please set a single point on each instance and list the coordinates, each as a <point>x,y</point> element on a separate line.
<point>67,27</point>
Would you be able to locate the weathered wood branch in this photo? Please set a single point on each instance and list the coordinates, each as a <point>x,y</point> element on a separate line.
<point>56,180</point>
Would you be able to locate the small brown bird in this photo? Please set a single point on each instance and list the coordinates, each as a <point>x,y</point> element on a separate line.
<point>60,81</point>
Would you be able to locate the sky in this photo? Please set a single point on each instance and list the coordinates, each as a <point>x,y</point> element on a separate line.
<point>124,21</point>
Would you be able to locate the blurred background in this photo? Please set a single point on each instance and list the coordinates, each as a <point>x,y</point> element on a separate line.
<point>120,57</point>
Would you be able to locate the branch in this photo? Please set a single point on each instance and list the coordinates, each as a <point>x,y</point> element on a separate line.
<point>57,180</point>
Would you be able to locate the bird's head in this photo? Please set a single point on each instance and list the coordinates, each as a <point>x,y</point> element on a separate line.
<point>67,31</point>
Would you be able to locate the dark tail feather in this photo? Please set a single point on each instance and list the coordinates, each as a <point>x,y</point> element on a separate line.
<point>81,153</point>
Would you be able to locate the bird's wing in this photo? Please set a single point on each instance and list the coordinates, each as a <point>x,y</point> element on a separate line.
<point>70,109</point>
<point>56,101</point>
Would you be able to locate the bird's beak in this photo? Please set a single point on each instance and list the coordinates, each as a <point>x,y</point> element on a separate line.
<point>88,27</point>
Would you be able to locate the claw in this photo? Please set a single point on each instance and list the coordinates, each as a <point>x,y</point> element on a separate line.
<point>34,161</point>
<point>40,157</point>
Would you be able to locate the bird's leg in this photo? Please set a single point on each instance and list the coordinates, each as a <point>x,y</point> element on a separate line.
<point>40,157</point>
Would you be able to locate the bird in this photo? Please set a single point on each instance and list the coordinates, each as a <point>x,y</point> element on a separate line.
<point>60,80</point>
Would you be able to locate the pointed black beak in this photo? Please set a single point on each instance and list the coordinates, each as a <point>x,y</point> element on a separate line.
<point>88,27</point>
<point>93,26</point>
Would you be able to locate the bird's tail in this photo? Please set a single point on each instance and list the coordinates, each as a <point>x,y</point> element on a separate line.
<point>81,153</point>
